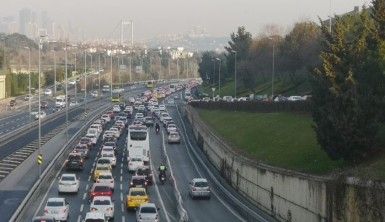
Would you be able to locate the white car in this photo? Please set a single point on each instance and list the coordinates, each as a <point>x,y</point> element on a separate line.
<point>68,183</point>
<point>163,115</point>
<point>108,134</point>
<point>116,131</point>
<point>162,107</point>
<point>103,162</point>
<point>95,216</point>
<point>139,115</point>
<point>110,156</point>
<point>72,82</point>
<point>73,103</point>
<point>104,205</point>
<point>106,178</point>
<point>199,187</point>
<point>41,116</point>
<point>147,212</point>
<point>48,92</point>
<point>57,208</point>
<point>98,127</point>
<point>171,127</point>
<point>116,108</point>
<point>92,132</point>
<point>135,163</point>
<point>93,139</point>
<point>94,93</point>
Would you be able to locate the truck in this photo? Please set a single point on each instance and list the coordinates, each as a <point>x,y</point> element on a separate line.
<point>60,101</point>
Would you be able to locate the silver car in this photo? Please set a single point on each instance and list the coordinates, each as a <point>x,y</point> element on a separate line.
<point>199,188</point>
<point>147,213</point>
<point>173,137</point>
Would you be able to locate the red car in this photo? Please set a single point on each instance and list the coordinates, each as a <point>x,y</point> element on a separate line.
<point>100,190</point>
<point>112,114</point>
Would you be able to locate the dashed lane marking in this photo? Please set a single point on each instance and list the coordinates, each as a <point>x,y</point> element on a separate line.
<point>81,208</point>
<point>84,196</point>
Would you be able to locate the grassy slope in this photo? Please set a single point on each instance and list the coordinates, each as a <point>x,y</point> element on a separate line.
<point>280,139</point>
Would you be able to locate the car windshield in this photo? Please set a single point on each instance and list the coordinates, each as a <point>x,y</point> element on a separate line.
<point>104,161</point>
<point>201,184</point>
<point>108,155</point>
<point>73,157</point>
<point>138,135</point>
<point>102,168</point>
<point>55,203</point>
<point>102,202</point>
<point>101,189</point>
<point>68,178</point>
<point>109,144</point>
<point>136,159</point>
<point>105,177</point>
<point>148,210</point>
<point>95,220</point>
<point>43,220</point>
<point>138,193</point>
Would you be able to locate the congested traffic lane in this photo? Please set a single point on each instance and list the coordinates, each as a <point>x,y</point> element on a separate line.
<point>79,204</point>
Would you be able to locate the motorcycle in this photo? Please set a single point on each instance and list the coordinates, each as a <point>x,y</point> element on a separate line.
<point>157,130</point>
<point>162,178</point>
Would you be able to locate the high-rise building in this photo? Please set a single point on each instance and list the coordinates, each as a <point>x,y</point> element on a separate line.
<point>24,20</point>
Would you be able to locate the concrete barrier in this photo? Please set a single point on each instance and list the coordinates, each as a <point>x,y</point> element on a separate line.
<point>289,195</point>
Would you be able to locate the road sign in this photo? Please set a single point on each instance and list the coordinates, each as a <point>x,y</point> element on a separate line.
<point>39,159</point>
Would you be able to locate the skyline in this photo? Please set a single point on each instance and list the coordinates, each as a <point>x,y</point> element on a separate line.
<point>171,17</point>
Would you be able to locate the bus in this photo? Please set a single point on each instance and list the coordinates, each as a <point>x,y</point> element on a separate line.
<point>150,84</point>
<point>138,143</point>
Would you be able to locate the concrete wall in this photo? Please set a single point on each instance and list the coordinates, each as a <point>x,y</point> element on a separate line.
<point>290,195</point>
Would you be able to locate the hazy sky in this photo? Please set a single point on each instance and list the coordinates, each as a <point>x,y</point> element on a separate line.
<point>158,17</point>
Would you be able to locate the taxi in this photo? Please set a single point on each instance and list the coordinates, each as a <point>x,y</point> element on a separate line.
<point>136,196</point>
<point>99,169</point>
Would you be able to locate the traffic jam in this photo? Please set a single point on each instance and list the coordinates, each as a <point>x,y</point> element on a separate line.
<point>115,152</point>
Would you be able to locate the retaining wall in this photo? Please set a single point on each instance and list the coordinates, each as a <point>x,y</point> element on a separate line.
<point>288,195</point>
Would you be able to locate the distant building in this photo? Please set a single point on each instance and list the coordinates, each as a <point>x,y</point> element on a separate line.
<point>24,20</point>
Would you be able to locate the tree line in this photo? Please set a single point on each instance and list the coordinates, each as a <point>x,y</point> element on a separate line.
<point>343,65</point>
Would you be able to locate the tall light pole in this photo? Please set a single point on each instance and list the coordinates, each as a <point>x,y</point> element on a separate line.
<point>76,83</point>
<point>29,82</point>
<point>235,73</point>
<point>91,74</point>
<point>169,68</point>
<point>54,70</point>
<point>66,86</point>
<point>213,60</point>
<point>39,102</point>
<point>330,16</point>
<point>188,67</point>
<point>99,76</point>
<point>85,82</point>
<point>273,69</point>
<point>111,80</point>
<point>219,76</point>
<point>130,69</point>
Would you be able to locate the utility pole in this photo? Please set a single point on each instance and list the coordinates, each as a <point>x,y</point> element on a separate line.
<point>66,87</point>
<point>177,67</point>
<point>85,82</point>
<point>111,79</point>
<point>29,83</point>
<point>235,73</point>
<point>99,93</point>
<point>219,76</point>
<point>169,69</point>
<point>39,101</point>
<point>130,69</point>
<point>76,83</point>
<point>54,70</point>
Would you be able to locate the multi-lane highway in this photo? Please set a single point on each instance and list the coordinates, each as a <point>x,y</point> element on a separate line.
<point>184,168</point>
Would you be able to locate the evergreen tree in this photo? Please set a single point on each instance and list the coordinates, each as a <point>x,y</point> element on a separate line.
<point>345,109</point>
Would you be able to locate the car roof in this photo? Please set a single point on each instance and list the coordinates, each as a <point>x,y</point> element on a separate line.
<point>68,175</point>
<point>56,199</point>
<point>137,189</point>
<point>199,180</point>
<point>95,215</point>
<point>148,205</point>
<point>102,198</point>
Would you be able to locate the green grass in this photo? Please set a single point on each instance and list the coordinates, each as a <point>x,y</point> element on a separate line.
<point>279,139</point>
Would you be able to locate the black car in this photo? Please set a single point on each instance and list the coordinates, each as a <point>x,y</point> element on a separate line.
<point>74,162</point>
<point>147,173</point>
<point>43,104</point>
<point>138,181</point>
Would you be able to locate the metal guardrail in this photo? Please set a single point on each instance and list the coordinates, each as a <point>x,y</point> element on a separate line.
<point>50,171</point>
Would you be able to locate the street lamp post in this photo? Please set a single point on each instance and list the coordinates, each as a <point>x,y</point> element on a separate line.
<point>111,80</point>
<point>39,102</point>
<point>235,73</point>
<point>54,71</point>
<point>219,76</point>
<point>66,87</point>
<point>29,83</point>
<point>213,60</point>
<point>76,83</point>
<point>85,82</point>
<point>130,69</point>
<point>273,72</point>
<point>177,67</point>
<point>99,76</point>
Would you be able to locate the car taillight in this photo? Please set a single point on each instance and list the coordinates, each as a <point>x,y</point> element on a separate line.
<point>93,209</point>
<point>46,211</point>
<point>194,189</point>
<point>109,209</point>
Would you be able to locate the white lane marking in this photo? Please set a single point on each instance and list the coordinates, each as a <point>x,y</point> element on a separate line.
<point>121,178</point>
<point>121,197</point>
<point>89,178</point>
<point>121,171</point>
<point>159,196</point>
<point>121,187</point>
<point>81,208</point>
<point>122,206</point>
<point>46,193</point>
<point>185,137</point>
<point>121,165</point>
<point>87,186</point>
<point>79,218</point>
<point>123,218</point>
<point>84,196</point>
